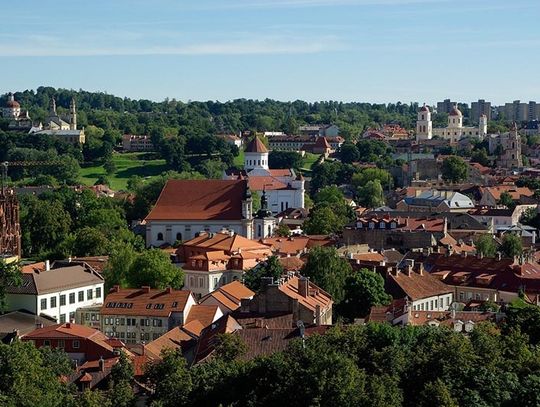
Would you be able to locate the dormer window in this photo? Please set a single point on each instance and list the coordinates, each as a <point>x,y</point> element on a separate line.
<point>371,225</point>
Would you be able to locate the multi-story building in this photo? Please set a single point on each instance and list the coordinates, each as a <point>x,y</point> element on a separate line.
<point>446,106</point>
<point>144,314</point>
<point>132,142</point>
<point>322,130</point>
<point>479,108</point>
<point>56,292</point>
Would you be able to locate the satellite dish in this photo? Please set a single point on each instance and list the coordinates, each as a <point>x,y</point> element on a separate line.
<point>301,327</point>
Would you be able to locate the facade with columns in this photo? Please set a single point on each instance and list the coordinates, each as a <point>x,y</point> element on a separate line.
<point>283,188</point>
<point>453,132</point>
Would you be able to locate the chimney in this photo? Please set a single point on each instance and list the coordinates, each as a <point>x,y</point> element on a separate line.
<point>303,287</point>
<point>101,364</point>
<point>168,290</point>
<point>39,325</point>
<point>47,265</point>
<point>145,289</point>
<point>115,288</point>
<point>68,325</point>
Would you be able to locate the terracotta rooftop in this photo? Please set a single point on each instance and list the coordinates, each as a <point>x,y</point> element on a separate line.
<point>256,146</point>
<point>316,296</point>
<point>200,200</point>
<point>291,263</point>
<point>224,242</point>
<point>515,192</point>
<point>266,183</point>
<point>145,301</point>
<point>176,338</point>
<point>416,286</point>
<point>204,314</point>
<point>229,295</point>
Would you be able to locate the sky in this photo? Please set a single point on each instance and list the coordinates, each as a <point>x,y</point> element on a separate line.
<point>349,50</point>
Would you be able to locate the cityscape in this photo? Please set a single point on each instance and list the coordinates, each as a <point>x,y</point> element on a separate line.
<point>205,204</point>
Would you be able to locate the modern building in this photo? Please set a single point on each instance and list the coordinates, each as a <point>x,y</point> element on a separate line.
<point>56,292</point>
<point>479,108</point>
<point>446,106</point>
<point>186,207</point>
<point>144,314</point>
<point>321,130</point>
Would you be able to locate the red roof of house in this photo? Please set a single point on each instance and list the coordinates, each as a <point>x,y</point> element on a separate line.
<point>256,146</point>
<point>316,296</point>
<point>200,200</point>
<point>144,301</point>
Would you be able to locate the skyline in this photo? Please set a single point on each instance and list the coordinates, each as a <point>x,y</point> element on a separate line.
<point>346,50</point>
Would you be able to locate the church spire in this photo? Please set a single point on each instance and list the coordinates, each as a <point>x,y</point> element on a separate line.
<point>52,108</point>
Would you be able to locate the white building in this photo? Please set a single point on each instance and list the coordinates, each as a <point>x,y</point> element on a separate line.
<point>186,207</point>
<point>283,187</point>
<point>56,292</point>
<point>453,132</point>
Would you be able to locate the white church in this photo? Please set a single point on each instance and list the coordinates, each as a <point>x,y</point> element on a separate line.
<point>455,129</point>
<point>283,188</point>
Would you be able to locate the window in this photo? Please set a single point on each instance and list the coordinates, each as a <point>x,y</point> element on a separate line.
<point>93,317</point>
<point>142,322</point>
<point>179,236</point>
<point>44,303</point>
<point>461,295</point>
<point>98,292</point>
<point>447,301</point>
<point>62,318</point>
<point>122,321</point>
<point>62,299</point>
<point>46,342</point>
<point>117,322</point>
<point>76,344</point>
<point>61,343</point>
<point>215,282</point>
<point>81,296</point>
<point>160,236</point>
<point>72,298</point>
<point>128,322</point>
<point>87,316</point>
<point>174,304</point>
<point>201,282</point>
<point>89,294</point>
<point>53,302</point>
<point>147,322</point>
<point>71,316</point>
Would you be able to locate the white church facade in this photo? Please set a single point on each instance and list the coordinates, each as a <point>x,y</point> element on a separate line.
<point>283,188</point>
<point>453,132</point>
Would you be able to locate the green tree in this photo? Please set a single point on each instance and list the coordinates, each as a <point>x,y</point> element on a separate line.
<point>481,157</point>
<point>363,290</point>
<point>170,379</point>
<point>360,179</point>
<point>229,347</point>
<point>371,195</point>
<point>436,393</point>
<point>109,167</point>
<point>285,159</point>
<point>153,268</point>
<point>486,245</point>
<point>349,153</point>
<point>10,275</point>
<point>322,221</point>
<point>512,245</point>
<point>506,200</point>
<point>328,270</point>
<point>282,230</point>
<point>121,391</point>
<point>118,267</point>
<point>454,169</point>
<point>90,242</point>
<point>269,268</point>
<point>93,398</point>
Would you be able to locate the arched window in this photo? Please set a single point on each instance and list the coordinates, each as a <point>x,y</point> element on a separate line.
<point>160,236</point>
<point>269,230</point>
<point>259,231</point>
<point>179,236</point>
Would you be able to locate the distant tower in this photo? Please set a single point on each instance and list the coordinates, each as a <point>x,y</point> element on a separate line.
<point>455,118</point>
<point>511,149</point>
<point>72,115</point>
<point>52,107</point>
<point>482,126</point>
<point>256,155</point>
<point>424,125</point>
<point>264,222</point>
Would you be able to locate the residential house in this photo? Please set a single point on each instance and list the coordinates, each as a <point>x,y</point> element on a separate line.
<point>423,291</point>
<point>212,260</point>
<point>19,323</point>
<point>56,292</point>
<point>520,195</point>
<point>144,314</point>
<point>228,297</point>
<point>436,201</point>
<point>186,207</point>
<point>81,343</point>
<point>135,143</point>
<point>292,295</point>
<point>500,217</point>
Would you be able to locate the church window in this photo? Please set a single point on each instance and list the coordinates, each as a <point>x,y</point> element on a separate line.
<point>422,117</point>
<point>259,231</point>
<point>269,230</point>
<point>513,145</point>
<point>160,236</point>
<point>259,162</point>
<point>179,236</point>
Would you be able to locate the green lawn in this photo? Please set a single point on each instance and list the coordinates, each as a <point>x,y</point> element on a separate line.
<point>239,159</point>
<point>127,164</point>
<point>309,160</point>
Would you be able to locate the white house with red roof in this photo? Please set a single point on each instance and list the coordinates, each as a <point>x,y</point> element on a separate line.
<point>284,188</point>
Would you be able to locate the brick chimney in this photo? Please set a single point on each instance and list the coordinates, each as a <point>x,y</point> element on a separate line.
<point>145,289</point>
<point>115,289</point>
<point>168,290</point>
<point>303,287</point>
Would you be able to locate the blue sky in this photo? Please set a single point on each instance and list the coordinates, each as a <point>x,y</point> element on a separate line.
<point>349,50</point>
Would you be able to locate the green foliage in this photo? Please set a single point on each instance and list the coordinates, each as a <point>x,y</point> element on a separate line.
<point>328,270</point>
<point>481,157</point>
<point>285,159</point>
<point>121,392</point>
<point>506,200</point>
<point>153,268</point>
<point>371,174</point>
<point>363,289</point>
<point>10,274</point>
<point>486,245</point>
<point>330,213</point>
<point>269,268</point>
<point>436,393</point>
<point>374,151</point>
<point>512,245</point>
<point>371,195</point>
<point>110,167</point>
<point>349,153</point>
<point>282,230</point>
<point>229,347</point>
<point>119,265</point>
<point>454,169</point>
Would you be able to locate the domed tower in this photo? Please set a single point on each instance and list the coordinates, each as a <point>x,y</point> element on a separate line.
<point>482,126</point>
<point>264,222</point>
<point>256,155</point>
<point>424,125</point>
<point>455,118</point>
<point>12,110</point>
<point>72,115</point>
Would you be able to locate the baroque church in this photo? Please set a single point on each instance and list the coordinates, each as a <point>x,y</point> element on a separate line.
<point>453,132</point>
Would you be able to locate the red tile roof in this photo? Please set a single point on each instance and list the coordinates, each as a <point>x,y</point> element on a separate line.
<point>145,301</point>
<point>267,183</point>
<point>256,146</point>
<point>316,296</point>
<point>200,200</point>
<point>416,286</point>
